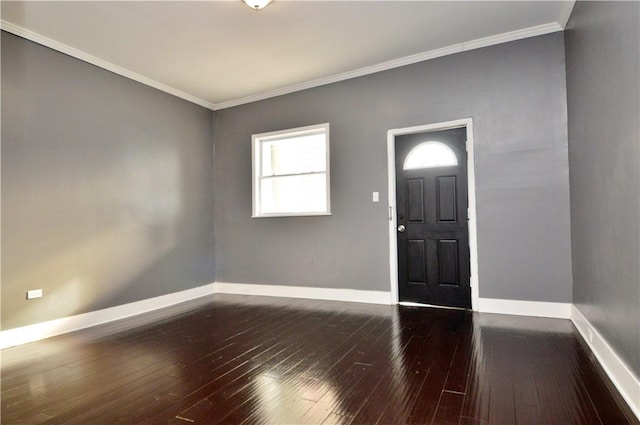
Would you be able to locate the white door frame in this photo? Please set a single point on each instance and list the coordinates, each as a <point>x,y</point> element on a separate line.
<point>393,241</point>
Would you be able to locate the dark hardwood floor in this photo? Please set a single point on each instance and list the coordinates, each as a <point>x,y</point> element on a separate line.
<point>255,360</point>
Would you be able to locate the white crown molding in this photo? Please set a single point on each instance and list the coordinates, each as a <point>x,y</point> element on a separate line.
<point>79,54</point>
<point>525,308</point>
<point>512,36</point>
<point>620,374</point>
<point>396,63</point>
<point>329,294</point>
<point>565,13</point>
<point>42,330</point>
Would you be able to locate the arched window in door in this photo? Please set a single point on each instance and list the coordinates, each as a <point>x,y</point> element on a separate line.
<point>430,155</point>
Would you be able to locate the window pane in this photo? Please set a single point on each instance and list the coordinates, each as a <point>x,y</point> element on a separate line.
<point>306,193</point>
<point>294,155</point>
<point>430,155</point>
<point>291,172</point>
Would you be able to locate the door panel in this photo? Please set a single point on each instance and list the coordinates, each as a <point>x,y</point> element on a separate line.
<point>415,201</point>
<point>446,198</point>
<point>448,261</point>
<point>433,248</point>
<point>416,259</point>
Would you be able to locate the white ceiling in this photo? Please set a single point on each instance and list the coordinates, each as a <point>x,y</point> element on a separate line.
<point>222,53</point>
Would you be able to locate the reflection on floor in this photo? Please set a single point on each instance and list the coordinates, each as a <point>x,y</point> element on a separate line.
<point>258,360</point>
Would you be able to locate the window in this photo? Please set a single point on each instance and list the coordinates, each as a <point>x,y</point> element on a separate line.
<point>291,172</point>
<point>430,155</point>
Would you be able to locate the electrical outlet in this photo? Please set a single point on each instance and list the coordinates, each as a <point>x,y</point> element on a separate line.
<point>376,196</point>
<point>34,293</point>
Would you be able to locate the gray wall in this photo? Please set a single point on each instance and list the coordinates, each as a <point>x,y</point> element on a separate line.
<point>515,93</point>
<point>603,85</point>
<point>106,188</point>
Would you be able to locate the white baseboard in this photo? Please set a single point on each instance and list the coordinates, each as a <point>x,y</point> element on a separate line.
<point>330,294</point>
<point>622,377</point>
<point>38,331</point>
<point>625,381</point>
<point>525,308</point>
<point>42,330</point>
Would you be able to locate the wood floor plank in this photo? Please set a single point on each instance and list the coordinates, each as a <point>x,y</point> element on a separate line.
<point>458,375</point>
<point>449,408</point>
<point>438,357</point>
<point>335,366</point>
<point>257,360</point>
<point>502,400</point>
<point>216,380</point>
<point>560,390</point>
<point>475,407</point>
<point>608,403</point>
<point>406,381</point>
<point>356,382</point>
<point>220,366</point>
<point>355,326</point>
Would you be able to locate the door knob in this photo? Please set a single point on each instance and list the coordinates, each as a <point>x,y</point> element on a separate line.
<point>401,228</point>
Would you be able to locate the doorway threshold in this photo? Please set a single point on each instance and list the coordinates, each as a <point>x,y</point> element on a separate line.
<point>412,304</point>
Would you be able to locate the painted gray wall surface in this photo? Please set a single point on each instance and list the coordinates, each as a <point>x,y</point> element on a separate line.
<point>603,85</point>
<point>106,188</point>
<point>516,95</point>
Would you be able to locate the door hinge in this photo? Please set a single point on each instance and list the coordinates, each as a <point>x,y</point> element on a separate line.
<point>390,213</point>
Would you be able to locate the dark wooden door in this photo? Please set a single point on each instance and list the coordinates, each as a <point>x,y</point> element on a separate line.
<point>433,232</point>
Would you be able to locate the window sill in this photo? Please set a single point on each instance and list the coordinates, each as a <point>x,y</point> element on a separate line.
<point>310,214</point>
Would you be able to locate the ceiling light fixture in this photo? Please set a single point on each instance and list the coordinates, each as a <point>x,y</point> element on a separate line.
<point>257,4</point>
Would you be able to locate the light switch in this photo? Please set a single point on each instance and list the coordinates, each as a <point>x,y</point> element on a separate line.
<point>376,196</point>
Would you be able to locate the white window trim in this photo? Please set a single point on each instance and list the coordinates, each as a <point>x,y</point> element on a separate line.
<point>256,164</point>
